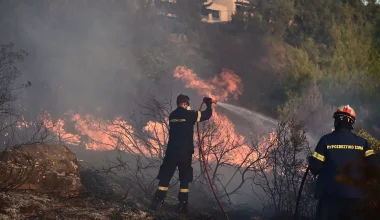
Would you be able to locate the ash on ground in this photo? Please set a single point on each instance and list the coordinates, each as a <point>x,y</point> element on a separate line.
<point>96,196</point>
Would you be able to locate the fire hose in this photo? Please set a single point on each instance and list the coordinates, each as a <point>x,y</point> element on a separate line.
<point>205,166</point>
<point>300,193</point>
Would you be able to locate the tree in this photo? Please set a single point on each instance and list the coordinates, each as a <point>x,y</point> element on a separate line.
<point>226,152</point>
<point>167,35</point>
<point>310,109</point>
<point>373,142</point>
<point>9,92</point>
<point>141,147</point>
<point>14,129</point>
<point>276,180</point>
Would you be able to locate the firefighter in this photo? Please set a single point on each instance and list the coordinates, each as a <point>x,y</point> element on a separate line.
<point>333,152</point>
<point>180,150</point>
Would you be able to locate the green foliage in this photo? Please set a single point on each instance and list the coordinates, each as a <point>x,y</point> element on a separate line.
<point>328,40</point>
<point>277,47</point>
<point>301,68</point>
<point>347,74</point>
<point>313,20</point>
<point>373,142</point>
<point>335,44</point>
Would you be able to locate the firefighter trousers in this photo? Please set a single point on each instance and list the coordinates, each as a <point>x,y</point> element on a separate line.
<point>167,170</point>
<point>338,209</point>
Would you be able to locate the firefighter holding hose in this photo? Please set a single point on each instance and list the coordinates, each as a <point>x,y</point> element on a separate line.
<point>333,152</point>
<point>180,150</point>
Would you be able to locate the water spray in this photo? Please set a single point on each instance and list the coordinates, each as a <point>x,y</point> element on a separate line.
<point>250,115</point>
<point>205,164</point>
<point>272,123</point>
<point>268,123</point>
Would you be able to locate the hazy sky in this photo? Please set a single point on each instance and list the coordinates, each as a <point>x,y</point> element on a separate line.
<point>79,55</point>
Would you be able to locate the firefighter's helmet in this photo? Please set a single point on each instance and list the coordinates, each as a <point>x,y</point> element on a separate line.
<point>183,98</point>
<point>345,113</point>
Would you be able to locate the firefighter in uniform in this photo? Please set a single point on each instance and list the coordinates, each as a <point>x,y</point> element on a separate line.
<point>180,150</point>
<point>333,152</point>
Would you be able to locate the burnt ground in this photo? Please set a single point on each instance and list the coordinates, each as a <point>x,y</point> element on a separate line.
<point>28,205</point>
<point>102,199</point>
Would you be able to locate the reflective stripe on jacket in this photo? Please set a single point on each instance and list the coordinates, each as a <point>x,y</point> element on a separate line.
<point>181,129</point>
<point>335,151</point>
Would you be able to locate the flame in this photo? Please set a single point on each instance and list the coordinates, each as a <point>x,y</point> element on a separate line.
<point>22,123</point>
<point>303,169</point>
<point>158,134</point>
<point>227,146</point>
<point>99,134</point>
<point>221,141</point>
<point>224,140</point>
<point>59,131</point>
<point>219,87</point>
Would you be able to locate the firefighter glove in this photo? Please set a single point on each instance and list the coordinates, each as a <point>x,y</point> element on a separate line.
<point>207,100</point>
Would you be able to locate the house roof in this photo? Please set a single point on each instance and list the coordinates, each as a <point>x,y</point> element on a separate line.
<point>217,7</point>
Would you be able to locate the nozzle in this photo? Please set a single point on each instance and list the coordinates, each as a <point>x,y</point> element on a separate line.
<point>207,99</point>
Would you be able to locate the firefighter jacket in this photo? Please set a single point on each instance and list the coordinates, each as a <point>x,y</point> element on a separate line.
<point>181,130</point>
<point>335,151</point>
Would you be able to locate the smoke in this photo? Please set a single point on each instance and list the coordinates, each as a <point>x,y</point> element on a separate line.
<point>80,53</point>
<point>82,57</point>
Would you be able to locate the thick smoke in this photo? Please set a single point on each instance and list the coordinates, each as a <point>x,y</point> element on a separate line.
<point>81,57</point>
<point>80,54</point>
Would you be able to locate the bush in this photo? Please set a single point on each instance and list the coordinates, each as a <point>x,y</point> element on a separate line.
<point>373,142</point>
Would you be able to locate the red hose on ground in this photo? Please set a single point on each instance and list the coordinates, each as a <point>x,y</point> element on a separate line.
<point>205,167</point>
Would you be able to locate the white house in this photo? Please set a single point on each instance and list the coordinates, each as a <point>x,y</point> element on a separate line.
<point>222,10</point>
<point>215,10</point>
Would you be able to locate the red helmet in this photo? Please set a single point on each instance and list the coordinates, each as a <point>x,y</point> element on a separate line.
<point>345,111</point>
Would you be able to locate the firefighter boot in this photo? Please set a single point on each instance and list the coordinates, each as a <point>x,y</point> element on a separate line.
<point>159,198</point>
<point>157,203</point>
<point>182,207</point>
<point>183,198</point>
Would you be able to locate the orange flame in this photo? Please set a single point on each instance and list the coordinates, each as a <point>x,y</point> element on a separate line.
<point>59,131</point>
<point>224,141</point>
<point>158,134</point>
<point>98,134</point>
<point>221,140</point>
<point>219,87</point>
<point>22,123</point>
<point>227,146</point>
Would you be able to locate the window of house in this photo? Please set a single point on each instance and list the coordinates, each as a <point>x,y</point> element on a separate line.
<point>204,12</point>
<point>215,15</point>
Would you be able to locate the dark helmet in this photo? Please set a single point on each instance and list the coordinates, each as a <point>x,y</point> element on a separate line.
<point>183,98</point>
<point>346,114</point>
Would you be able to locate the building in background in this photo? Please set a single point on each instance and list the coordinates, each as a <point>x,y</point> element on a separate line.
<point>166,7</point>
<point>222,10</point>
<point>213,10</point>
